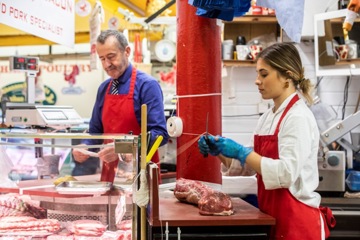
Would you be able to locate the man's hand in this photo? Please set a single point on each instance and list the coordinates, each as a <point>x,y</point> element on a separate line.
<point>79,156</point>
<point>127,157</point>
<point>108,155</point>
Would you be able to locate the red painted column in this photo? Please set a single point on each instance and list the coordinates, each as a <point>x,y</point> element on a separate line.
<point>198,86</point>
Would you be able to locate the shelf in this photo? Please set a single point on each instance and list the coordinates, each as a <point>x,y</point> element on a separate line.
<point>325,63</point>
<point>348,61</point>
<point>253,19</point>
<point>239,63</point>
<point>340,20</point>
<point>348,67</point>
<point>252,27</point>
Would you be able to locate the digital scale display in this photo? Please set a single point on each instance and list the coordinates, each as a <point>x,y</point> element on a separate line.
<point>24,63</point>
<point>54,115</point>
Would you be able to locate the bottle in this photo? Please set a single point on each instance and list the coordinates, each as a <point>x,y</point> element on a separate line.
<point>352,10</point>
<point>349,19</point>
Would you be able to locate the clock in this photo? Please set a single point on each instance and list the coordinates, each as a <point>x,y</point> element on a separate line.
<point>82,8</point>
<point>165,50</point>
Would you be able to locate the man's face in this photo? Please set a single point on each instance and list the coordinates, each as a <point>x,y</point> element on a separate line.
<point>114,60</point>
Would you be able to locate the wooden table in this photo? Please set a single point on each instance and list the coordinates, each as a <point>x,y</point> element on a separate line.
<point>166,213</point>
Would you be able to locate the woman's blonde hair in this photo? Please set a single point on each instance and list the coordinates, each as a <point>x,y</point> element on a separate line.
<point>285,58</point>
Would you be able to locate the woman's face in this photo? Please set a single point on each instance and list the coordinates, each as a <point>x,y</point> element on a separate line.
<point>114,60</point>
<point>270,83</point>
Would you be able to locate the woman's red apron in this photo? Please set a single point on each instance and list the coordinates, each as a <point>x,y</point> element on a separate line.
<point>119,117</point>
<point>294,219</point>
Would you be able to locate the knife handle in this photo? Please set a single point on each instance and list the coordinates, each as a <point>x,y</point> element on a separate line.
<point>208,143</point>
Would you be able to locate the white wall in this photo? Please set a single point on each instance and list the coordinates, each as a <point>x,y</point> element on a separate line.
<point>84,91</point>
<point>240,94</point>
<point>243,98</point>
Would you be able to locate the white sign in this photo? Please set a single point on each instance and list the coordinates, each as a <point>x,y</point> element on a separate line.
<point>53,20</point>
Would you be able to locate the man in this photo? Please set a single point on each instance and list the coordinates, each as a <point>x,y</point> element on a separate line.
<point>118,103</point>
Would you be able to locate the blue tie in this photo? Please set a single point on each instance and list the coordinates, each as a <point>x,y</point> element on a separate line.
<point>114,87</point>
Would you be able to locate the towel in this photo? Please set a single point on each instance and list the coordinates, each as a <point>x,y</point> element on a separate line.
<point>290,15</point>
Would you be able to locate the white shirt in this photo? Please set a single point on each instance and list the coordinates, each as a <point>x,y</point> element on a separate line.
<point>296,168</point>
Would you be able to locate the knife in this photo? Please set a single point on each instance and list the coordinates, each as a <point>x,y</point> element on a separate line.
<point>207,133</point>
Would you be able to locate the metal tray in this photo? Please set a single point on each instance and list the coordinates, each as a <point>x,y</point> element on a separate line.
<point>83,187</point>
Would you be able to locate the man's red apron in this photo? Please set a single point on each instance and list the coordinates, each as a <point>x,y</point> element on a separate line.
<point>294,219</point>
<point>119,117</point>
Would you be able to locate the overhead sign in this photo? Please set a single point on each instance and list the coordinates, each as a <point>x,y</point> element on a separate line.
<point>53,20</point>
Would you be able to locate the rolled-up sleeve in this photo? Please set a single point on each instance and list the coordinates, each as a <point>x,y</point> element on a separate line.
<point>294,140</point>
<point>148,91</point>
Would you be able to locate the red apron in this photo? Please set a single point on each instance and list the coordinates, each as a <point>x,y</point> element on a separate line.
<point>118,117</point>
<point>294,219</point>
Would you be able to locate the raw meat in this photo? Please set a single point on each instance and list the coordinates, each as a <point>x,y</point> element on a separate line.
<point>215,203</point>
<point>13,205</point>
<point>124,235</point>
<point>60,237</point>
<point>190,191</point>
<point>88,228</point>
<point>28,224</point>
<point>125,225</point>
<point>209,201</point>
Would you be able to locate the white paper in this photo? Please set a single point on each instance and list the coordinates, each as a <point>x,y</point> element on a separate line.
<point>84,151</point>
<point>239,184</point>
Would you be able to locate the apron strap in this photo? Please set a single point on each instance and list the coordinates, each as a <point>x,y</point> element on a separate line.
<point>291,103</point>
<point>132,83</point>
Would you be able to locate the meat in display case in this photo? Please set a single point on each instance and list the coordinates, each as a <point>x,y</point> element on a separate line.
<point>40,199</point>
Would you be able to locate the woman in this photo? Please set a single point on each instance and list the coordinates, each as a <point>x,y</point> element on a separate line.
<point>285,150</point>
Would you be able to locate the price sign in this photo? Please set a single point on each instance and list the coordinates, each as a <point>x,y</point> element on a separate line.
<point>24,64</point>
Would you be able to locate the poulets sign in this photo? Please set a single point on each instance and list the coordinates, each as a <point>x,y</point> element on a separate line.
<point>53,20</point>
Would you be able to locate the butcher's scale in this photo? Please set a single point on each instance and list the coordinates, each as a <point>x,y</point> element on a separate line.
<point>37,117</point>
<point>31,114</point>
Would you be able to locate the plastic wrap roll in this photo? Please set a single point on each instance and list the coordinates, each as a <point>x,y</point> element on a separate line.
<point>174,126</point>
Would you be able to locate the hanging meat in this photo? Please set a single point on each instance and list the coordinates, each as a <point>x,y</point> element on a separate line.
<point>71,77</point>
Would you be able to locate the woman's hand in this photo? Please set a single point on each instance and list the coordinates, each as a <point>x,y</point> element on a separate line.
<point>229,148</point>
<point>206,147</point>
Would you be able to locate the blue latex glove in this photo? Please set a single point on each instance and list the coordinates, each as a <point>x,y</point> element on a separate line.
<point>229,148</point>
<point>205,148</point>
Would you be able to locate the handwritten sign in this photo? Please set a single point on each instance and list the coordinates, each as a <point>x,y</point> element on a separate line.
<point>53,20</point>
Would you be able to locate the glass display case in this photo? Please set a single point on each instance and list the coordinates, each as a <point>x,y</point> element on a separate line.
<point>39,164</point>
